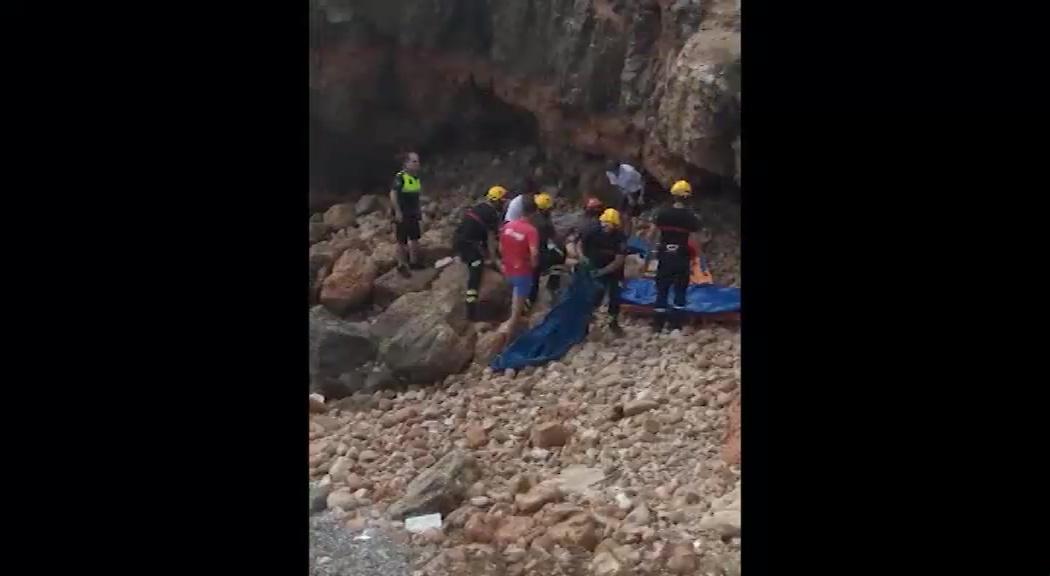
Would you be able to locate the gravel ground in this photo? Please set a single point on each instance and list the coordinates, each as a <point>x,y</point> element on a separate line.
<point>622,458</point>
<point>335,552</point>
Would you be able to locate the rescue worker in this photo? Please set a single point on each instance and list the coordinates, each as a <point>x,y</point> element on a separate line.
<point>674,227</point>
<point>605,248</point>
<point>404,198</point>
<point>628,181</point>
<point>519,245</point>
<point>552,255</point>
<point>475,239</point>
<point>592,209</point>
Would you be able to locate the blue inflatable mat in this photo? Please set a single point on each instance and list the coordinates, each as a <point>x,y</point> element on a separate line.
<point>699,298</point>
<point>563,327</point>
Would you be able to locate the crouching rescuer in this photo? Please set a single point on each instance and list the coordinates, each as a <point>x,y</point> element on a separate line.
<point>552,255</point>
<point>475,240</point>
<point>675,226</point>
<point>605,248</point>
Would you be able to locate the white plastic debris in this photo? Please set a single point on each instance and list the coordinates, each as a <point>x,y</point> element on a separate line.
<point>623,501</point>
<point>443,262</point>
<point>366,535</point>
<point>417,524</point>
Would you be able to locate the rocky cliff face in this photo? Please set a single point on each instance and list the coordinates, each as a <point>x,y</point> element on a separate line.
<point>655,82</point>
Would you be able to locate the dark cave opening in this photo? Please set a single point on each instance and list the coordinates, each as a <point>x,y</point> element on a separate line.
<point>346,165</point>
<point>481,121</point>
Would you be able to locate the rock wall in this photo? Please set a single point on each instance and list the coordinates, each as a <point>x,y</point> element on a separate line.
<point>651,81</point>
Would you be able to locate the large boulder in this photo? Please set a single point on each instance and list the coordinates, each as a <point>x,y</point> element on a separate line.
<point>384,254</point>
<point>438,489</point>
<point>326,253</point>
<point>366,205</point>
<point>339,216</point>
<point>349,286</point>
<point>318,232</point>
<point>435,244</point>
<point>427,349</point>
<point>425,336</point>
<point>338,351</point>
<point>393,285</point>
<point>697,113</point>
<point>444,302</point>
<point>493,296</point>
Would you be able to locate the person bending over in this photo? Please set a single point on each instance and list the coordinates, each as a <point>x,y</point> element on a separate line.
<point>628,181</point>
<point>475,239</point>
<point>605,249</point>
<point>552,255</point>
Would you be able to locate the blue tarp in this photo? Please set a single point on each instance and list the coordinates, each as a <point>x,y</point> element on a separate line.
<point>566,323</point>
<point>699,298</point>
<point>563,327</point>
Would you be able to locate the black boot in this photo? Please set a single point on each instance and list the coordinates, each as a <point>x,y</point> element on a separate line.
<point>614,326</point>
<point>658,323</point>
<point>472,311</point>
<point>403,270</point>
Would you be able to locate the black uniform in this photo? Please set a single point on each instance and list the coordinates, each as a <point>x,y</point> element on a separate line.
<point>551,254</point>
<point>408,228</point>
<point>672,253</point>
<point>470,242</point>
<point>601,247</point>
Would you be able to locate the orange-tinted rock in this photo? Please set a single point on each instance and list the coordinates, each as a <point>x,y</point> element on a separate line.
<point>548,435</point>
<point>349,286</point>
<point>339,216</point>
<point>493,295</point>
<point>393,285</point>
<point>580,530</point>
<point>511,528</point>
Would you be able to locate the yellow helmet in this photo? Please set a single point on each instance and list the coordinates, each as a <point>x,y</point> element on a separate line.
<point>681,188</point>
<point>610,216</point>
<point>543,201</point>
<point>496,193</point>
